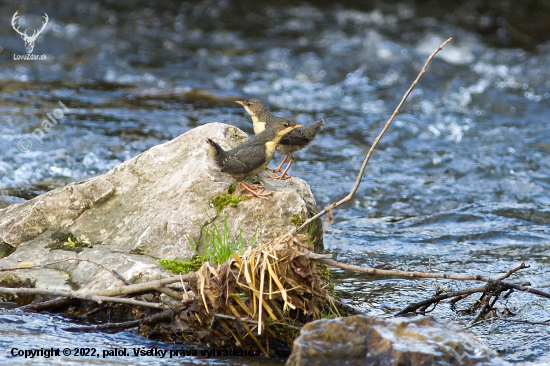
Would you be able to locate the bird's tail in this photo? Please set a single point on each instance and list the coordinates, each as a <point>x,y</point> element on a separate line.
<point>313,129</point>
<point>216,151</point>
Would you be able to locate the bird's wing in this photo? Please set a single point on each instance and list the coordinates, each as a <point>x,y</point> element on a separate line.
<point>303,135</point>
<point>294,137</point>
<point>244,159</point>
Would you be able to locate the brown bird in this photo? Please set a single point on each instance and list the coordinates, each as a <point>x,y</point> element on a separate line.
<point>295,140</point>
<point>252,156</point>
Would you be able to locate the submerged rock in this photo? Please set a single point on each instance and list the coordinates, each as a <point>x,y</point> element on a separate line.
<point>363,340</point>
<point>142,210</point>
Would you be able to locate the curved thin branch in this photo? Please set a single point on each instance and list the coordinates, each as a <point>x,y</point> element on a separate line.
<point>77,295</point>
<point>406,274</point>
<point>386,126</point>
<point>45,265</point>
<point>398,273</point>
<point>512,271</point>
<point>144,286</point>
<point>546,322</point>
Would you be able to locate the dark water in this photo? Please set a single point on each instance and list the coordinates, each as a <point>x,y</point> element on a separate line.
<point>460,181</point>
<point>21,331</point>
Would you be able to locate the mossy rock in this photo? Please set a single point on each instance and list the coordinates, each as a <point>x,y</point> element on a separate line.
<point>296,220</point>
<point>182,267</point>
<point>12,280</point>
<point>5,249</point>
<point>314,230</point>
<point>68,241</point>
<point>227,199</point>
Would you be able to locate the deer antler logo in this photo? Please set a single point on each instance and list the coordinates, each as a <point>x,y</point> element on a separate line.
<point>29,40</point>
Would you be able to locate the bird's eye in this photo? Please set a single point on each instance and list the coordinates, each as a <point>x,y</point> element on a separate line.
<point>285,124</point>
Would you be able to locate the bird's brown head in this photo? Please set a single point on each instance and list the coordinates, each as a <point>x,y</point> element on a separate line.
<point>254,107</point>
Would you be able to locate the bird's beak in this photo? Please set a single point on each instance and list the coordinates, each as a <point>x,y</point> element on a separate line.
<point>297,126</point>
<point>240,102</point>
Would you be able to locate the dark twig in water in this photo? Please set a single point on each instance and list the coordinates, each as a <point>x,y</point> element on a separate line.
<point>437,298</point>
<point>488,304</point>
<point>166,315</point>
<point>94,311</point>
<point>493,285</point>
<point>47,305</point>
<point>332,206</point>
<point>108,326</point>
<point>546,322</point>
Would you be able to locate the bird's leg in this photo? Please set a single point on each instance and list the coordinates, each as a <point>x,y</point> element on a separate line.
<point>252,191</point>
<point>283,174</point>
<point>278,169</point>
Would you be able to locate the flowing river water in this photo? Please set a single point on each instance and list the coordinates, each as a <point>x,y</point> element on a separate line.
<point>459,184</point>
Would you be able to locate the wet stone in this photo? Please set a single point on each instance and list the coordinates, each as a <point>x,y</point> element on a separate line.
<point>363,340</point>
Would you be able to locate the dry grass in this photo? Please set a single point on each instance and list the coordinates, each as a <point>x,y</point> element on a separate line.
<point>271,291</point>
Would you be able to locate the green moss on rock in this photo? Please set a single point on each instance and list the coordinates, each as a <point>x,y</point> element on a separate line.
<point>296,220</point>
<point>182,267</point>
<point>227,199</point>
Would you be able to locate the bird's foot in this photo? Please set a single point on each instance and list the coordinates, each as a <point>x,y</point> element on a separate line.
<point>283,175</point>
<point>252,190</point>
<point>280,176</point>
<point>276,170</point>
<point>259,195</point>
<point>256,186</point>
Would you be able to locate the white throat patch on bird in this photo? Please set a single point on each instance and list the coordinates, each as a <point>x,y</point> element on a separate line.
<point>258,125</point>
<point>270,148</point>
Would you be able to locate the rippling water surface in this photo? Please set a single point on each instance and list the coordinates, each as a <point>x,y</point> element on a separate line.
<point>460,182</point>
<point>21,331</point>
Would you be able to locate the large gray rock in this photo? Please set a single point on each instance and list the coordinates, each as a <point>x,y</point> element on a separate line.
<point>142,210</point>
<point>365,341</point>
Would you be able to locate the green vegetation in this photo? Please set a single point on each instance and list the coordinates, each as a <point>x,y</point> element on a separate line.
<point>333,311</point>
<point>311,231</point>
<point>296,220</point>
<point>182,267</point>
<point>326,274</point>
<point>227,199</point>
<point>217,244</point>
<point>68,241</point>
